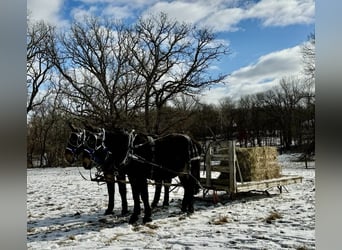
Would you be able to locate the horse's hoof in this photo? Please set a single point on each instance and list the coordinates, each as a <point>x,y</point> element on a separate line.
<point>191,210</point>
<point>133,219</point>
<point>108,212</point>
<point>124,212</point>
<point>165,204</point>
<point>154,205</point>
<point>147,219</point>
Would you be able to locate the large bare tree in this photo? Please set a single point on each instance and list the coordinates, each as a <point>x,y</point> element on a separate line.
<point>171,58</point>
<point>112,73</point>
<point>38,66</point>
<point>92,60</point>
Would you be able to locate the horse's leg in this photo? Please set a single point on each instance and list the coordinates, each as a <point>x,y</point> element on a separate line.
<point>144,197</point>
<point>191,197</point>
<point>195,171</point>
<point>157,193</point>
<point>167,183</point>
<point>136,198</point>
<point>122,190</point>
<point>111,191</point>
<point>194,185</point>
<point>187,202</point>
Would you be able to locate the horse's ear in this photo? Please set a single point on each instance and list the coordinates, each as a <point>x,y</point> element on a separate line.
<point>72,127</point>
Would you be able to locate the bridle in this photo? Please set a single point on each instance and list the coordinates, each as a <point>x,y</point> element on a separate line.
<point>95,142</point>
<point>75,143</point>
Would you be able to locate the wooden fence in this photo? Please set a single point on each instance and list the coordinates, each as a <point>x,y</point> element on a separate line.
<point>221,171</point>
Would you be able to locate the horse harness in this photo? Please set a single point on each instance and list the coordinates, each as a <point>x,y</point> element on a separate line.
<point>130,155</point>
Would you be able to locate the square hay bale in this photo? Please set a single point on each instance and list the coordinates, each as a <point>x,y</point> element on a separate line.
<point>258,163</point>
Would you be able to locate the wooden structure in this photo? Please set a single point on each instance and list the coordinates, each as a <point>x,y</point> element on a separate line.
<point>220,176</point>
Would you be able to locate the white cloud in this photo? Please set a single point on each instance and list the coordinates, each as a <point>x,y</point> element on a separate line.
<point>283,62</point>
<point>226,19</point>
<point>81,12</point>
<point>259,76</point>
<point>226,15</point>
<point>48,11</point>
<point>222,15</point>
<point>118,12</point>
<point>283,12</point>
<point>181,10</point>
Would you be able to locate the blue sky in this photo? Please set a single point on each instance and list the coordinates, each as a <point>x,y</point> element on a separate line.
<point>264,36</point>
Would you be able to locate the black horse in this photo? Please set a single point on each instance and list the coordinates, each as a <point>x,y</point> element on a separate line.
<point>108,173</point>
<point>75,148</point>
<point>142,158</point>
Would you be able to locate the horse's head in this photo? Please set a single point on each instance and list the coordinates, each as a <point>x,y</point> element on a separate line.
<point>103,147</point>
<point>75,144</point>
<point>94,149</point>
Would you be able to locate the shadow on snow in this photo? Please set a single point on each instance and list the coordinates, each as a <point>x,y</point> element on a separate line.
<point>69,225</point>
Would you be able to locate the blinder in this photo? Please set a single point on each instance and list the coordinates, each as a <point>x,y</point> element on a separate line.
<point>75,142</point>
<point>95,147</point>
<point>94,143</point>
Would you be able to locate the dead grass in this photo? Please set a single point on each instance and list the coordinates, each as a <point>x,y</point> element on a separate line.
<point>72,237</point>
<point>152,226</point>
<point>274,215</point>
<point>148,228</point>
<point>302,248</point>
<point>220,221</point>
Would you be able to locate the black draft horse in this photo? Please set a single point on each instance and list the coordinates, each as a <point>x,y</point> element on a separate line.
<point>142,158</point>
<point>75,147</point>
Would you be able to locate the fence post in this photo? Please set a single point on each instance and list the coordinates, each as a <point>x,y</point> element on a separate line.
<point>208,165</point>
<point>232,168</point>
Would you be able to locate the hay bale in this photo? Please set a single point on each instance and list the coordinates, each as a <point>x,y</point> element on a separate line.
<point>258,163</point>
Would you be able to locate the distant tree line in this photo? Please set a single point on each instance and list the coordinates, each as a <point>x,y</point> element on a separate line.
<point>147,76</point>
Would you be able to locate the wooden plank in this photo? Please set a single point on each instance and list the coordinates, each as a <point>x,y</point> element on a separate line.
<point>217,188</point>
<point>266,184</point>
<point>232,167</point>
<point>221,184</point>
<point>219,168</point>
<point>208,165</point>
<point>219,157</point>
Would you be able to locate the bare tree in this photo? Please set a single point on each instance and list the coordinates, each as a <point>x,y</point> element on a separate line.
<point>177,116</point>
<point>40,124</point>
<point>171,58</point>
<point>92,59</point>
<point>38,64</point>
<point>309,57</point>
<point>112,73</point>
<point>283,102</point>
<point>228,117</point>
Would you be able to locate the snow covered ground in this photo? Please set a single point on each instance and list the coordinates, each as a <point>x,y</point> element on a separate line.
<point>65,211</point>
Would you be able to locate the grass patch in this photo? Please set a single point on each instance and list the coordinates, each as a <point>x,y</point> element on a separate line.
<point>220,221</point>
<point>72,237</point>
<point>302,248</point>
<point>274,215</point>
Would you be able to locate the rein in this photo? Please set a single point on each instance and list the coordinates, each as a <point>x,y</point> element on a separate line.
<point>79,171</point>
<point>143,160</point>
<point>98,176</point>
<point>131,156</point>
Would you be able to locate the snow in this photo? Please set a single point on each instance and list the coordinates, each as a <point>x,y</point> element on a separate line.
<point>64,211</point>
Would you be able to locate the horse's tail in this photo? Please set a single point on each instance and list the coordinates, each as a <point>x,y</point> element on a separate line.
<point>195,151</point>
